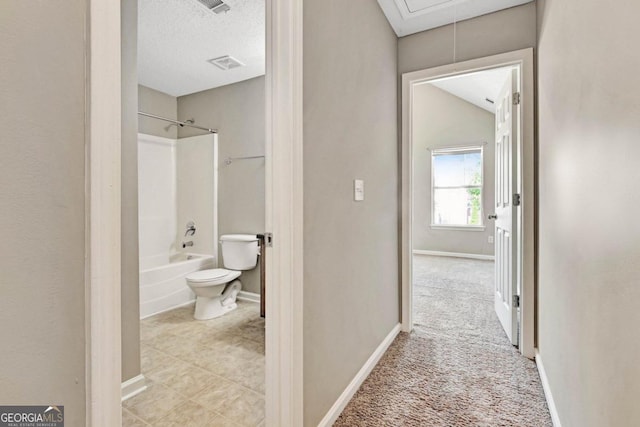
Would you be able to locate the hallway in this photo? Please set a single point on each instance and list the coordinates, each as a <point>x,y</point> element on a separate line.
<point>457,367</point>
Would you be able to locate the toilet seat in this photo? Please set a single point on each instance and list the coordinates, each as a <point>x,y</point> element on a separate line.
<point>214,276</point>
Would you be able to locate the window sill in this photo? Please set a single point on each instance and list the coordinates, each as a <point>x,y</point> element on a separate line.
<point>459,227</point>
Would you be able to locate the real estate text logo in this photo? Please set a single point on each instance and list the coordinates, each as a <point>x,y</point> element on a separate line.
<point>32,416</point>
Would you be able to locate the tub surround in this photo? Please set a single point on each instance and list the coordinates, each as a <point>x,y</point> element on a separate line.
<point>156,199</point>
<point>196,192</point>
<point>164,287</point>
<point>169,190</point>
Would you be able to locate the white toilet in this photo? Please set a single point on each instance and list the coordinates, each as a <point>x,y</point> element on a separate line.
<point>216,289</point>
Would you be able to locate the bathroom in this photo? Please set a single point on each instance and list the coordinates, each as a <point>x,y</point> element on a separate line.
<point>200,195</point>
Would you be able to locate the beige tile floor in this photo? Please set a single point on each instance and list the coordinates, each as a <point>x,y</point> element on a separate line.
<point>200,373</point>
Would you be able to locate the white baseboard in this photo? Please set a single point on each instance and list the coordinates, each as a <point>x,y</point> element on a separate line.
<point>173,307</point>
<point>357,381</point>
<point>454,254</point>
<point>555,419</point>
<point>133,386</point>
<point>248,296</point>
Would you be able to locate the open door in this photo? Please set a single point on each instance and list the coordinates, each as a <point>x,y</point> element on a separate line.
<point>506,300</point>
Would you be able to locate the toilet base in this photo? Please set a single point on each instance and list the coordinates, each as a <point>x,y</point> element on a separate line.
<point>210,308</point>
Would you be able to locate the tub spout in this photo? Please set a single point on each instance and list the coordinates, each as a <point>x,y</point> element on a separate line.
<point>185,244</point>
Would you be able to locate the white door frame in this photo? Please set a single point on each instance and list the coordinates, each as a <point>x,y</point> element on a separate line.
<point>102,214</point>
<point>526,181</point>
<point>284,387</point>
<point>283,214</point>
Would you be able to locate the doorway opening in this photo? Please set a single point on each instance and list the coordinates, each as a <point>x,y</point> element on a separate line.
<point>201,173</point>
<point>218,133</point>
<point>467,249</point>
<point>113,27</point>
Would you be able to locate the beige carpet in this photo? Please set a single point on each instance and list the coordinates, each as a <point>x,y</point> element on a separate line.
<point>457,368</point>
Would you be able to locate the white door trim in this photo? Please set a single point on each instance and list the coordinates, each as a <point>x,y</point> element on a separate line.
<point>102,215</point>
<point>526,183</point>
<point>284,387</point>
<point>283,214</point>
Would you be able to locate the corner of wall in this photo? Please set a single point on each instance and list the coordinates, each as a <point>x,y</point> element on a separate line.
<point>130,289</point>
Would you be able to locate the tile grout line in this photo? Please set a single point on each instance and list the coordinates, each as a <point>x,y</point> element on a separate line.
<point>203,369</point>
<point>143,421</point>
<point>244,342</point>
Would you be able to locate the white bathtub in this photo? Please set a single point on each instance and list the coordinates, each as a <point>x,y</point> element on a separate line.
<point>165,287</point>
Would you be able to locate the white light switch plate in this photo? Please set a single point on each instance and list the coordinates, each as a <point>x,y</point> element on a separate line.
<point>358,190</point>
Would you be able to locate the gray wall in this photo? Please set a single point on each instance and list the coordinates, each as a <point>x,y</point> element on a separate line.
<point>42,208</point>
<point>158,103</point>
<point>589,233</point>
<point>443,120</point>
<point>351,291</point>
<point>499,32</point>
<point>130,303</point>
<point>238,112</point>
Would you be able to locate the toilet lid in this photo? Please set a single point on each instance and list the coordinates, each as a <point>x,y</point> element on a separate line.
<point>206,275</point>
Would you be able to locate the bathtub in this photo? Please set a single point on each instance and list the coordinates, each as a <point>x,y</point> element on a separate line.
<point>164,287</point>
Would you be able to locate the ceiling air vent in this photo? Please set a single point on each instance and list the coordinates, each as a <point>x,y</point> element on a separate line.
<point>217,6</point>
<point>226,62</point>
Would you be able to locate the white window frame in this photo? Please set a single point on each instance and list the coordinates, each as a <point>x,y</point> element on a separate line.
<point>457,150</point>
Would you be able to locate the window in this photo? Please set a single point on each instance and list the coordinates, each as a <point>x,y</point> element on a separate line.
<point>456,182</point>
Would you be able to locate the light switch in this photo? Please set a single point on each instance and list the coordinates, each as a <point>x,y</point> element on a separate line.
<point>490,239</point>
<point>358,190</point>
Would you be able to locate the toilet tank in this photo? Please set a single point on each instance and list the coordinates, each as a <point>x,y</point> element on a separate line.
<point>239,251</point>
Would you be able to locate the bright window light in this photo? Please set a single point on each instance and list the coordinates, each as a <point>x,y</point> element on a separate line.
<point>457,187</point>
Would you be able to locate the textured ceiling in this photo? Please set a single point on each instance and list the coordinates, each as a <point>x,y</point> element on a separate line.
<point>412,16</point>
<point>176,38</point>
<point>476,87</point>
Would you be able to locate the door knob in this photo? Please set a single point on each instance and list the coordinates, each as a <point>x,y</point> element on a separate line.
<point>494,216</point>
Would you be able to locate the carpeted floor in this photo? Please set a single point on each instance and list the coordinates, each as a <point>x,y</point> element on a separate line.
<point>457,368</point>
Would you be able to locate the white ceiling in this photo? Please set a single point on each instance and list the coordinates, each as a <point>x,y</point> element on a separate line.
<point>477,87</point>
<point>412,16</point>
<point>176,38</point>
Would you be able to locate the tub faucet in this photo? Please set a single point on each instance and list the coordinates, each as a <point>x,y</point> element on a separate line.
<point>185,244</point>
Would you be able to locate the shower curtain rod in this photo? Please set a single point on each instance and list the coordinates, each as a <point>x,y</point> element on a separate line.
<point>176,122</point>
